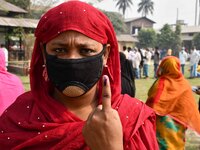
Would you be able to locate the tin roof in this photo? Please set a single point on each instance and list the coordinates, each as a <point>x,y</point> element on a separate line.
<point>139,18</point>
<point>5,6</point>
<point>18,22</point>
<point>190,29</point>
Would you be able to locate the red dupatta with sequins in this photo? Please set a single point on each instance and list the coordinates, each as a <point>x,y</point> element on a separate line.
<point>37,121</point>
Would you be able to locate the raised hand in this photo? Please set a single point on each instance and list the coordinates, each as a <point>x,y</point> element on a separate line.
<point>103,129</point>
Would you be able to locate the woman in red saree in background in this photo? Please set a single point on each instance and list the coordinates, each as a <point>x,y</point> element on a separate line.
<point>172,99</point>
<point>10,85</point>
<point>75,101</point>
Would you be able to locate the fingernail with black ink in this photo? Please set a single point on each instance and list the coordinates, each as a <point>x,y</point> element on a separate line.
<point>104,81</point>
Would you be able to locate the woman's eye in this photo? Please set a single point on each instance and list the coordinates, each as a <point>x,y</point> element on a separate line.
<point>87,51</point>
<point>59,50</point>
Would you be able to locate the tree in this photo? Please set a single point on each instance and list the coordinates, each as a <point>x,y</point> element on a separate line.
<point>93,2</point>
<point>123,5</point>
<point>169,39</point>
<point>25,4</point>
<point>147,38</point>
<point>196,40</point>
<point>35,8</point>
<point>177,40</point>
<point>117,21</point>
<point>44,2</point>
<point>166,37</point>
<point>146,6</point>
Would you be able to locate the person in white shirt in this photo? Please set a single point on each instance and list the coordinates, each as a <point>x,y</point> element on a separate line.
<point>183,56</point>
<point>147,62</point>
<point>194,59</point>
<point>135,58</point>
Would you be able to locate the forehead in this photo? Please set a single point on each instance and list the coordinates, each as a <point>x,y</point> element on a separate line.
<point>72,37</point>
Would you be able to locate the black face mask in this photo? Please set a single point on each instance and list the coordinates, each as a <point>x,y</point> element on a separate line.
<point>74,77</point>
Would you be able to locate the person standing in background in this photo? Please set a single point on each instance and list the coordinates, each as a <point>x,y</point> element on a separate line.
<point>172,99</point>
<point>10,85</point>
<point>156,60</point>
<point>194,59</point>
<point>169,52</point>
<point>125,51</point>
<point>163,53</point>
<point>6,54</point>
<point>183,56</point>
<point>147,62</point>
<point>141,63</point>
<point>127,76</point>
<point>135,58</point>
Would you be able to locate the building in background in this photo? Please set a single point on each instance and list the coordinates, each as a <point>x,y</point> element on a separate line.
<point>12,24</point>
<point>126,40</point>
<point>136,24</point>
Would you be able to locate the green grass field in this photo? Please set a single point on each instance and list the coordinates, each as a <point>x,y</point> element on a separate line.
<point>142,87</point>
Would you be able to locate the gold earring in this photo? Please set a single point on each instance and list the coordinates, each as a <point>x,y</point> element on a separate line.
<point>44,73</point>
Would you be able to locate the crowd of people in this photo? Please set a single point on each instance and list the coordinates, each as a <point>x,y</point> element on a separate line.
<point>142,58</point>
<point>82,90</point>
<point>176,109</point>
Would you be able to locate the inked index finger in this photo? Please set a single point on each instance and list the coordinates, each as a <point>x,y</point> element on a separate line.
<point>106,93</point>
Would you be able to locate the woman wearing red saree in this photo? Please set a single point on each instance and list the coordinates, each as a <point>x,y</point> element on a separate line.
<point>75,101</point>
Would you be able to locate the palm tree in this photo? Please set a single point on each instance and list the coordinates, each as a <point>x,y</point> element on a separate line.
<point>146,6</point>
<point>123,5</point>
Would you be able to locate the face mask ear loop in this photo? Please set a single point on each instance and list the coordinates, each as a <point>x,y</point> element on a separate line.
<point>44,73</point>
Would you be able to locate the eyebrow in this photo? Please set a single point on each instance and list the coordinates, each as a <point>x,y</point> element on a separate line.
<point>62,44</point>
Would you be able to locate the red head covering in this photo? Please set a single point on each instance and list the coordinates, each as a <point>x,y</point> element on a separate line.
<point>81,17</point>
<point>42,122</point>
<point>172,95</point>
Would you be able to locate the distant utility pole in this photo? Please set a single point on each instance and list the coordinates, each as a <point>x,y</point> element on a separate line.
<point>196,6</point>
<point>177,13</point>
<point>199,14</point>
